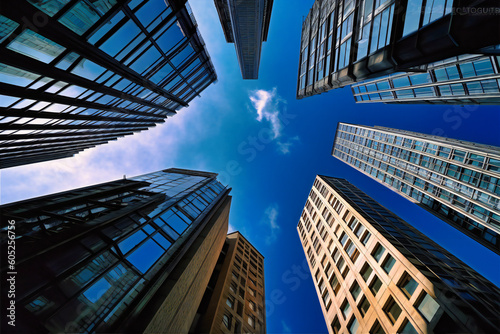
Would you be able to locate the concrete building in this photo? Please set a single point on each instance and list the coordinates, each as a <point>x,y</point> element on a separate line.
<point>348,41</point>
<point>457,181</point>
<point>467,79</point>
<point>131,255</point>
<point>246,24</point>
<point>76,74</point>
<point>234,301</point>
<point>374,273</point>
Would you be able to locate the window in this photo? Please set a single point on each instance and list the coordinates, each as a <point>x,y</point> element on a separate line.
<point>366,237</point>
<point>378,251</point>
<point>252,305</point>
<point>408,285</point>
<point>226,320</point>
<point>326,299</point>
<point>366,271</point>
<point>345,308</point>
<point>251,321</point>
<point>363,306</point>
<point>377,328</point>
<point>392,310</point>
<point>388,263</point>
<point>334,283</point>
<point>427,306</point>
<point>355,290</point>
<point>230,301</point>
<point>407,328</point>
<point>233,287</point>
<point>353,325</point>
<point>336,325</point>
<point>375,285</point>
<point>252,291</point>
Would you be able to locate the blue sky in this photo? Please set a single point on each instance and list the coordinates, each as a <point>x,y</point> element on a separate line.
<point>269,147</point>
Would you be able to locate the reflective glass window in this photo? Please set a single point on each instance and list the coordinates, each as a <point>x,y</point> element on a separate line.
<point>412,16</point>
<point>428,307</point>
<point>145,256</point>
<point>7,26</point>
<point>36,46</point>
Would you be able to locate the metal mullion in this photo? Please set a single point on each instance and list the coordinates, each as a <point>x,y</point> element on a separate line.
<point>45,151</point>
<point>64,134</point>
<point>41,157</point>
<point>70,116</point>
<point>5,126</point>
<point>30,160</point>
<point>43,141</point>
<point>55,31</point>
<point>20,92</point>
<point>41,148</point>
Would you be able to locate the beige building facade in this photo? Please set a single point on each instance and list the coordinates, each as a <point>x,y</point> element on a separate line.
<point>234,301</point>
<point>374,273</point>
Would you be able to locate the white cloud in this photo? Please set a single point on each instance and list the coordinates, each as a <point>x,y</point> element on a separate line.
<point>271,221</point>
<point>151,150</point>
<point>284,147</point>
<point>266,103</point>
<point>231,229</point>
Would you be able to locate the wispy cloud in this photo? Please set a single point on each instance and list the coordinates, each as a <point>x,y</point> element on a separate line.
<point>231,229</point>
<point>270,220</point>
<point>270,107</point>
<point>284,146</point>
<point>266,103</point>
<point>132,155</point>
<point>286,329</point>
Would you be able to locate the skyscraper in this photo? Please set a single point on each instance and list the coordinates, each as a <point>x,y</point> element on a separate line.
<point>131,255</point>
<point>234,299</point>
<point>347,41</point>
<point>374,273</point>
<point>468,79</point>
<point>457,181</point>
<point>76,74</point>
<point>246,24</point>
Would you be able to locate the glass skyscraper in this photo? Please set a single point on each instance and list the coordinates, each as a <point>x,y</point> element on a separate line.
<point>468,79</point>
<point>78,73</point>
<point>374,273</point>
<point>457,181</point>
<point>348,41</point>
<point>246,24</point>
<point>126,255</point>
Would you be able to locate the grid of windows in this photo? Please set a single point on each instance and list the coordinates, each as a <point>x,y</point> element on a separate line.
<point>124,230</point>
<point>457,181</point>
<point>467,79</point>
<point>369,37</point>
<point>397,245</point>
<point>96,71</point>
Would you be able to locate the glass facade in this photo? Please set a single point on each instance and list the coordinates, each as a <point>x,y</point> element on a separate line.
<point>88,258</point>
<point>455,180</point>
<point>92,72</point>
<point>347,41</point>
<point>400,281</point>
<point>466,79</point>
<point>246,24</point>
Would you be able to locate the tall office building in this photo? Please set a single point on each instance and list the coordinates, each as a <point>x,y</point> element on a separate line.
<point>234,299</point>
<point>347,41</point>
<point>132,255</point>
<point>78,73</point>
<point>374,273</point>
<point>246,24</point>
<point>457,181</point>
<point>468,79</point>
